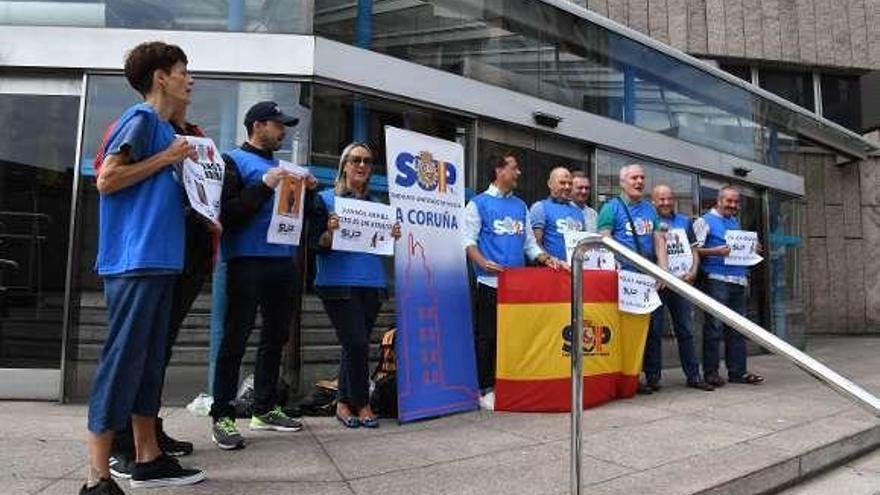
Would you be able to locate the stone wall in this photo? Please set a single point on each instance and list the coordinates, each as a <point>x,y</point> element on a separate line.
<point>841,273</point>
<point>841,33</point>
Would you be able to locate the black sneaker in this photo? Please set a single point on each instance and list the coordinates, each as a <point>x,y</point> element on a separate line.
<point>225,434</point>
<point>169,445</point>
<point>654,383</point>
<point>104,487</point>
<point>120,466</point>
<point>163,471</point>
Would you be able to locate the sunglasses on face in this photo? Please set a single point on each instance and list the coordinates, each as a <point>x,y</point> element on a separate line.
<point>356,160</point>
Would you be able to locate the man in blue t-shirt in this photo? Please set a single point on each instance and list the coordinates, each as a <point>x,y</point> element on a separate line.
<point>140,253</point>
<point>259,275</point>
<point>683,261</point>
<point>497,235</point>
<point>632,220</point>
<point>727,284</point>
<point>554,216</point>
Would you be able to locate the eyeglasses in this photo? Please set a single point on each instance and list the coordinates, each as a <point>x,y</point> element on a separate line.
<point>355,160</point>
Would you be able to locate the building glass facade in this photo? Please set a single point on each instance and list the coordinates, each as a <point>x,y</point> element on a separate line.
<point>531,48</point>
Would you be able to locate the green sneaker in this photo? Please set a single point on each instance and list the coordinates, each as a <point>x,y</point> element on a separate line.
<point>225,434</point>
<point>275,420</point>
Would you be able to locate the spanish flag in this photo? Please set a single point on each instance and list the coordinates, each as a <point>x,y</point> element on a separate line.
<point>534,341</point>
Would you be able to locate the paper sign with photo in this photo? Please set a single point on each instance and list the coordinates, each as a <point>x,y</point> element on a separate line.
<point>203,179</point>
<point>287,210</point>
<point>364,227</point>
<point>743,248</point>
<point>678,252</point>
<point>637,293</point>
<point>596,258</point>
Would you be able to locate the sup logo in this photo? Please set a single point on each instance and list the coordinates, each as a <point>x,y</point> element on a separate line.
<point>596,339</point>
<point>349,233</point>
<point>508,226</point>
<point>424,170</point>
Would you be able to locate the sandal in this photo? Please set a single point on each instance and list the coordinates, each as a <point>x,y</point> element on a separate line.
<point>746,378</point>
<point>348,421</point>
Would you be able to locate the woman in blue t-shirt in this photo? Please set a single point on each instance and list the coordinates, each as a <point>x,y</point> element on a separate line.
<point>351,286</point>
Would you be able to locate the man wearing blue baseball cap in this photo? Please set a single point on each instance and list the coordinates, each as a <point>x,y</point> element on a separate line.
<point>260,275</point>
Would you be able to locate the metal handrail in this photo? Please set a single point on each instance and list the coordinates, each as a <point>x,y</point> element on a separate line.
<point>740,323</point>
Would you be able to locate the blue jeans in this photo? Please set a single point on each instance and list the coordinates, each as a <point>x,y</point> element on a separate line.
<point>681,311</point>
<point>734,297</point>
<point>218,319</point>
<point>129,376</point>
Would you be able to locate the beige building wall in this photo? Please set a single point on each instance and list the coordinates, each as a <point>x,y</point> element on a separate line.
<point>838,33</point>
<point>841,260</point>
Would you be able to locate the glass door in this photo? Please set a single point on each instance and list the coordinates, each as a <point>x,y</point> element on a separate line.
<point>38,130</point>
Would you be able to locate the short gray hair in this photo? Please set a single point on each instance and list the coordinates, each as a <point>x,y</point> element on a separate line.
<point>625,170</point>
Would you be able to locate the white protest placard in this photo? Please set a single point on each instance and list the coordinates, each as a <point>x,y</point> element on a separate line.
<point>287,211</point>
<point>637,293</point>
<point>678,252</point>
<point>597,258</point>
<point>743,246</point>
<point>203,179</point>
<point>364,227</point>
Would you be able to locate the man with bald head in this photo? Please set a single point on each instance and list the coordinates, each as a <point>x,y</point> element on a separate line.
<point>681,253</point>
<point>632,220</point>
<point>552,217</point>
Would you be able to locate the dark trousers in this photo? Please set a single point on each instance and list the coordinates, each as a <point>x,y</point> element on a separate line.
<point>681,311</point>
<point>353,312</point>
<point>734,297</point>
<point>485,335</point>
<point>266,284</point>
<point>197,264</point>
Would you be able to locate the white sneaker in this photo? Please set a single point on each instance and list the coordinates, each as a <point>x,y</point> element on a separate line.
<point>487,402</point>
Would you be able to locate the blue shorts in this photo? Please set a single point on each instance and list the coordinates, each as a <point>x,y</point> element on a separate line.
<point>130,372</point>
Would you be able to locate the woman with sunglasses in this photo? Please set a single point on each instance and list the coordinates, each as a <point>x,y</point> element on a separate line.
<point>351,286</point>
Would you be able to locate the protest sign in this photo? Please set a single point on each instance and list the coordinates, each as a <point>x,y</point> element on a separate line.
<point>364,227</point>
<point>743,248</point>
<point>678,252</point>
<point>637,293</point>
<point>203,179</point>
<point>595,258</point>
<point>287,210</point>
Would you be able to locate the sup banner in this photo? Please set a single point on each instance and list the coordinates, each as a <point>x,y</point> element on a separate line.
<point>436,366</point>
<point>535,338</point>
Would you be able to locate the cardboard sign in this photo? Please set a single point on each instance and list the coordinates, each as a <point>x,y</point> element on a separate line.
<point>203,179</point>
<point>637,293</point>
<point>743,248</point>
<point>364,227</point>
<point>287,210</point>
<point>597,258</point>
<point>678,252</point>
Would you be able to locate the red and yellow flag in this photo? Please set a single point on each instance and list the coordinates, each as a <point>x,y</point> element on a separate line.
<point>534,341</point>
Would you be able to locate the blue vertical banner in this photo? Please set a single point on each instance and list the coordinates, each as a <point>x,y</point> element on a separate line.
<point>436,365</point>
